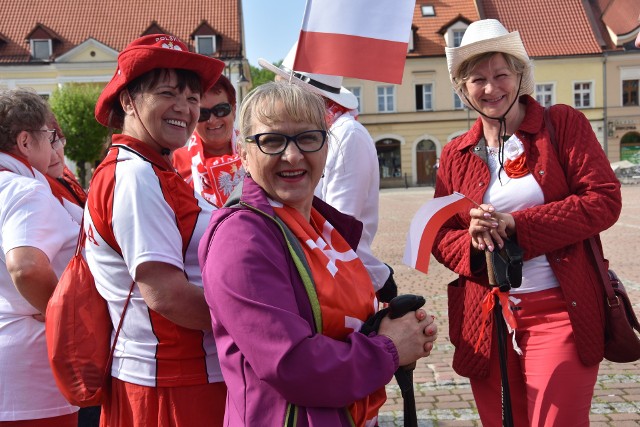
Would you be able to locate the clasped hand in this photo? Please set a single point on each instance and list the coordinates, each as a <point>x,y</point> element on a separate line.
<point>488,228</point>
<point>413,335</point>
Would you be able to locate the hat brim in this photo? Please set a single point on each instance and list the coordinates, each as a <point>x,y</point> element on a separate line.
<point>510,43</point>
<point>344,98</point>
<point>149,58</point>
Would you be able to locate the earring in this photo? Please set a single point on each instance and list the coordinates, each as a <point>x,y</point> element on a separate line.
<point>248,174</point>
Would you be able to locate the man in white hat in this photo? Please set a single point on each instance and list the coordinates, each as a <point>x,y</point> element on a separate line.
<point>351,179</point>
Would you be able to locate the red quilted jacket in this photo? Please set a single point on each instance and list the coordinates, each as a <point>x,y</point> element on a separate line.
<point>582,198</point>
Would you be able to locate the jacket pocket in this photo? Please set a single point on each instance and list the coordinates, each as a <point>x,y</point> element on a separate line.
<point>455,300</point>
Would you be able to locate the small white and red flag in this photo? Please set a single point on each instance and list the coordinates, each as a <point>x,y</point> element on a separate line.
<point>365,39</point>
<point>426,223</point>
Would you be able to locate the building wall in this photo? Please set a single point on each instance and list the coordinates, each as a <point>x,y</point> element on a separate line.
<point>409,126</point>
<point>621,120</point>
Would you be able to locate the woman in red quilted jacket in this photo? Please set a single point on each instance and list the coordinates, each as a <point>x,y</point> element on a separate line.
<point>546,197</point>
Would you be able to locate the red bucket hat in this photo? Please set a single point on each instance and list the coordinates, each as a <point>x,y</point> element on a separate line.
<point>150,52</point>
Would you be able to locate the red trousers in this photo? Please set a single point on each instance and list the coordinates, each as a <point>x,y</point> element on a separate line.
<point>70,420</point>
<point>549,384</point>
<point>132,405</point>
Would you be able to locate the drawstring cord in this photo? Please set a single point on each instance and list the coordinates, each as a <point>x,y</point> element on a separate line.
<point>502,128</point>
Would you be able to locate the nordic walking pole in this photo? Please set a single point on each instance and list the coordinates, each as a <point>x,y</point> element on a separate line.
<point>507,415</point>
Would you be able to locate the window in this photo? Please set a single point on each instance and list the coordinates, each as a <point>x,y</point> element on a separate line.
<point>457,102</point>
<point>455,33</point>
<point>544,94</point>
<point>582,94</point>
<point>629,93</point>
<point>389,160</point>
<point>206,45</point>
<point>457,37</point>
<point>428,10</point>
<point>385,99</point>
<point>41,49</point>
<point>355,90</point>
<point>424,97</point>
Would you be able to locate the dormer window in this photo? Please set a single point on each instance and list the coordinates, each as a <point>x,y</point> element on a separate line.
<point>206,45</point>
<point>454,34</point>
<point>41,49</point>
<point>412,39</point>
<point>457,37</point>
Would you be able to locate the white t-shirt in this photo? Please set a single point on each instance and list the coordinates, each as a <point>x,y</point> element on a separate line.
<point>29,216</point>
<point>351,184</point>
<point>514,194</point>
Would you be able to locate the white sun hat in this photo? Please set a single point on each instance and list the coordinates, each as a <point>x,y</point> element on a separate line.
<point>489,35</point>
<point>322,84</point>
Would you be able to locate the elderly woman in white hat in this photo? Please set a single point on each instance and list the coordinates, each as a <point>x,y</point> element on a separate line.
<point>350,181</point>
<point>546,197</point>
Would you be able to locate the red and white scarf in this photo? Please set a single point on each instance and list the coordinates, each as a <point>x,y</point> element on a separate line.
<point>214,177</point>
<point>343,286</point>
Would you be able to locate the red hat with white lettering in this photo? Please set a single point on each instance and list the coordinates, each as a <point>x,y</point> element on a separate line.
<point>148,53</point>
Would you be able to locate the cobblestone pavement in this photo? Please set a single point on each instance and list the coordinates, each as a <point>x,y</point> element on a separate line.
<point>444,398</point>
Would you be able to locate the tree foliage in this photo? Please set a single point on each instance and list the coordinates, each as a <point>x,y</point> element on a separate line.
<point>260,76</point>
<point>73,106</point>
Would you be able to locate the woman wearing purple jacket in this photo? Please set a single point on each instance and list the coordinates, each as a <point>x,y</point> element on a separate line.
<point>286,290</point>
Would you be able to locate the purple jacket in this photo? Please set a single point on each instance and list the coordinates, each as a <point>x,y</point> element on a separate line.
<point>264,328</point>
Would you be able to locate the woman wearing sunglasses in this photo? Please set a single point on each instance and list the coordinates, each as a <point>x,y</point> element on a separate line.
<point>286,290</point>
<point>38,237</point>
<point>209,162</point>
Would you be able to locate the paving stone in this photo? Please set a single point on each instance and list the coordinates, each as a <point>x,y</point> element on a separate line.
<point>616,400</point>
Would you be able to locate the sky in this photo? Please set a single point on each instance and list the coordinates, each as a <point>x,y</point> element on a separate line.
<point>271,27</point>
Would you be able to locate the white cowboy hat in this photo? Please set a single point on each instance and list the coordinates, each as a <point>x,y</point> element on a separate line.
<point>322,84</point>
<point>489,35</point>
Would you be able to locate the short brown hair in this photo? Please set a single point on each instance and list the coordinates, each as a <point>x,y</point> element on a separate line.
<point>20,110</point>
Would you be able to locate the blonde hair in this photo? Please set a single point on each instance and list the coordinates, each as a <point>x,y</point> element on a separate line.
<point>466,68</point>
<point>276,102</point>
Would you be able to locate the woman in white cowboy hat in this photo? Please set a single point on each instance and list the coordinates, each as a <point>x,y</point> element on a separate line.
<point>351,180</point>
<point>547,199</point>
<point>143,225</point>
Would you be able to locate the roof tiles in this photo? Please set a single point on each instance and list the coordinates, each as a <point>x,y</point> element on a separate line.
<point>547,28</point>
<point>114,23</point>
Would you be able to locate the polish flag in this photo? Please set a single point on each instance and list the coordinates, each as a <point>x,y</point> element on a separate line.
<point>426,223</point>
<point>365,39</point>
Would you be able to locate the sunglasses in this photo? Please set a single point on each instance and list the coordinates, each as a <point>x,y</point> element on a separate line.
<point>219,110</point>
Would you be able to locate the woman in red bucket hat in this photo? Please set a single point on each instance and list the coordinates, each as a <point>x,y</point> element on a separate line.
<point>143,224</point>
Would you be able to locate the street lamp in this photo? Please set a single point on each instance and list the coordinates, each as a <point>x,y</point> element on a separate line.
<point>242,81</point>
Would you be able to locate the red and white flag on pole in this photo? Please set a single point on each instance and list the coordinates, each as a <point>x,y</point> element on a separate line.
<point>365,39</point>
<point>426,223</point>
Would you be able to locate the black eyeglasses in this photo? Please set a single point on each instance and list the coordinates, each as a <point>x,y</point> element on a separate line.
<point>219,110</point>
<point>53,135</point>
<point>275,143</point>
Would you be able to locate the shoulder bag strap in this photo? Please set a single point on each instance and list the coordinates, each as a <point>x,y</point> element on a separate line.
<point>82,236</point>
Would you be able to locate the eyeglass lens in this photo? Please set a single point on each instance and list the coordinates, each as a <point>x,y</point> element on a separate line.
<point>219,110</point>
<point>276,143</point>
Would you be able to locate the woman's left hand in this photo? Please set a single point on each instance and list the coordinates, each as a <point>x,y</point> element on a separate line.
<point>489,227</point>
